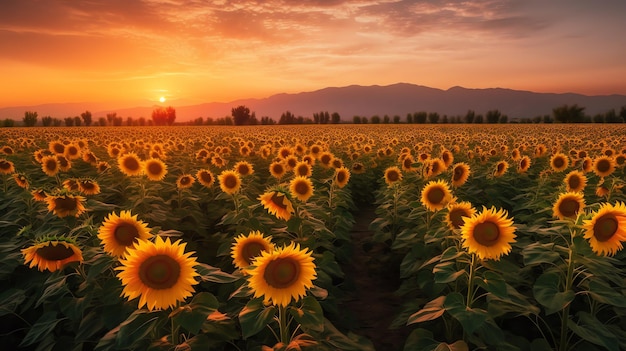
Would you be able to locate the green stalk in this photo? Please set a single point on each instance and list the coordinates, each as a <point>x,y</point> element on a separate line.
<point>282,323</point>
<point>565,314</point>
<point>470,283</point>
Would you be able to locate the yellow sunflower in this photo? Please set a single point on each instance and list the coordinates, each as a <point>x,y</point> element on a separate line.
<point>6,167</point>
<point>230,182</point>
<point>155,169</point>
<point>603,166</point>
<point>575,181</point>
<point>66,205</point>
<point>71,184</point>
<point>436,195</point>
<point>277,203</point>
<point>119,233</point>
<point>301,188</point>
<point>568,205</point>
<point>303,169</point>
<point>90,158</point>
<point>56,147</point>
<point>500,168</point>
<point>456,212</point>
<point>185,181</point>
<point>246,248</point>
<point>606,230</point>
<point>21,180</point>
<point>524,164</point>
<point>407,163</point>
<point>460,174</point>
<point>50,165</point>
<point>282,275</point>
<point>342,176</point>
<point>326,159</point>
<point>277,169</point>
<point>160,273</point>
<point>130,164</point>
<point>205,177</point>
<point>102,166</point>
<point>357,168</point>
<point>39,195</point>
<point>52,254</point>
<point>488,234</point>
<point>559,162</point>
<point>88,186</point>
<point>392,175</point>
<point>244,168</point>
<point>64,163</point>
<point>587,164</point>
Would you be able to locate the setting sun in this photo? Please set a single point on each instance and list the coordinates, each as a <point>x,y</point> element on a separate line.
<point>162,99</point>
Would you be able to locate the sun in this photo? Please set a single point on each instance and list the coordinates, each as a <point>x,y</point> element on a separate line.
<point>162,99</point>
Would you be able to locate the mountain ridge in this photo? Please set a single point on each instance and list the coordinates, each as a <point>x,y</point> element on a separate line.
<point>358,100</point>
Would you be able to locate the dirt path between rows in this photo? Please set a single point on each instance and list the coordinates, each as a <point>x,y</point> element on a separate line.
<point>372,303</point>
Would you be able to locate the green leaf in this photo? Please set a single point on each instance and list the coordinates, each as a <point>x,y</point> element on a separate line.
<point>193,315</point>
<point>309,315</point>
<point>592,330</point>
<point>89,326</point>
<point>131,332</point>
<point>470,318</point>
<point>432,310</point>
<point>451,253</point>
<point>493,283</point>
<point>339,341</point>
<point>44,326</point>
<point>213,274</point>
<point>423,340</point>
<point>55,286</point>
<point>11,299</point>
<point>318,292</point>
<point>547,293</point>
<point>604,293</point>
<point>446,272</point>
<point>538,253</point>
<point>254,317</point>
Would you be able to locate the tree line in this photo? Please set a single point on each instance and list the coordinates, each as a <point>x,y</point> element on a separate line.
<point>241,115</point>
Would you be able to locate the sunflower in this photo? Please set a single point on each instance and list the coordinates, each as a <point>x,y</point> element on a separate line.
<point>460,174</point>
<point>39,195</point>
<point>52,254</point>
<point>447,157</point>
<point>56,147</point>
<point>606,229</point>
<point>282,275</point>
<point>6,167</point>
<point>500,168</point>
<point>246,248</point>
<point>393,175</point>
<point>205,177</point>
<point>326,159</point>
<point>301,188</point>
<point>155,169</point>
<point>342,176</point>
<point>50,165</point>
<point>524,164</point>
<point>575,181</point>
<point>119,233</point>
<point>303,169</point>
<point>407,163</point>
<point>130,164</point>
<point>568,205</point>
<point>436,195</point>
<point>456,212</point>
<point>71,184</point>
<point>277,169</point>
<point>434,167</point>
<point>160,273</point>
<point>244,168</point>
<point>89,187</point>
<point>488,234</point>
<point>603,166</point>
<point>357,168</point>
<point>90,158</point>
<point>21,180</point>
<point>185,181</point>
<point>230,182</point>
<point>277,203</point>
<point>72,151</point>
<point>559,162</point>
<point>66,205</point>
<point>64,163</point>
<point>102,166</point>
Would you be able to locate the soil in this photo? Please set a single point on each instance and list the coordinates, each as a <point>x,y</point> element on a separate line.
<point>373,303</point>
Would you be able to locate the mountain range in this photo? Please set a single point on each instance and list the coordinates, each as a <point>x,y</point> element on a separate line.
<point>396,99</point>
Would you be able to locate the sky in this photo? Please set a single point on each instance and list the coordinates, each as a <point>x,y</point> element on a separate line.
<point>193,51</point>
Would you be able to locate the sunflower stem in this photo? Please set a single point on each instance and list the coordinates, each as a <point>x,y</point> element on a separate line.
<point>282,322</point>
<point>174,331</point>
<point>568,286</point>
<point>470,283</point>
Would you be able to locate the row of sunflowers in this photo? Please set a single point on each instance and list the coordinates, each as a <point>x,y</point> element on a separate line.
<point>234,238</point>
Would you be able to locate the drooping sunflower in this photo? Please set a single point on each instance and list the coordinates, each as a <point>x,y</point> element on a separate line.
<point>155,169</point>
<point>587,165</point>
<point>52,254</point>
<point>568,205</point>
<point>90,157</point>
<point>50,165</point>
<point>488,234</point>
<point>130,164</point>
<point>102,166</point>
<point>575,181</point>
<point>64,205</point>
<point>21,180</point>
<point>277,169</point>
<point>559,162</point>
<point>301,188</point>
<point>246,248</point>
<point>119,233</point>
<point>407,163</point>
<point>64,163</point>
<point>71,184</point>
<point>160,273</point>
<point>606,230</point>
<point>603,166</point>
<point>358,168</point>
<point>393,175</point>
<point>282,275</point>
<point>277,204</point>
<point>456,212</point>
<point>230,181</point>
<point>436,195</point>
<point>434,167</point>
<point>303,169</point>
<point>88,186</point>
<point>460,174</point>
<point>342,176</point>
<point>205,177</point>
<point>6,167</point>
<point>500,168</point>
<point>39,195</point>
<point>524,164</point>
<point>447,157</point>
<point>185,181</point>
<point>244,168</point>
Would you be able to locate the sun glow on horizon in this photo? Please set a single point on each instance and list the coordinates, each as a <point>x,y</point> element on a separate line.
<point>162,99</point>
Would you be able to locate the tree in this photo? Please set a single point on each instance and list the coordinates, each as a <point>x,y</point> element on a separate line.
<point>386,119</point>
<point>611,116</point>
<point>335,118</point>
<point>420,117</point>
<point>469,116</point>
<point>433,117</point>
<point>30,118</point>
<point>569,114</point>
<point>142,121</point>
<point>493,116</point>
<point>287,118</point>
<point>356,119</point>
<point>396,119</point>
<point>164,116</point>
<point>77,121</point>
<point>102,121</point>
<point>409,118</point>
<point>444,119</point>
<point>86,116</point>
<point>503,119</point>
<point>478,119</point>
<point>111,117</point>
<point>8,122</point>
<point>46,121</point>
<point>241,115</point>
<point>69,121</point>
<point>375,119</point>
<point>129,121</point>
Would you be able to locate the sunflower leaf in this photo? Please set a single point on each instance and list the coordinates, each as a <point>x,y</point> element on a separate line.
<point>309,315</point>
<point>547,293</point>
<point>44,326</point>
<point>446,272</point>
<point>432,310</point>
<point>213,274</point>
<point>539,253</point>
<point>196,312</point>
<point>594,331</point>
<point>254,317</point>
<point>470,318</point>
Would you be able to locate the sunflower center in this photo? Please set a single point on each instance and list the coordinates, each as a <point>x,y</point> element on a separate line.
<point>125,234</point>
<point>435,195</point>
<point>302,170</point>
<point>393,176</point>
<point>131,163</point>
<point>251,250</point>
<point>55,252</point>
<point>341,177</point>
<point>456,217</point>
<point>243,169</point>
<point>435,167</point>
<point>277,199</point>
<point>574,182</point>
<point>65,203</point>
<point>500,167</point>
<point>206,177</point>
<point>185,180</point>
<point>523,164</point>
<point>603,165</point>
<point>5,165</point>
<point>230,182</point>
<point>51,164</point>
<point>154,168</point>
<point>282,273</point>
<point>58,148</point>
<point>302,188</point>
<point>569,207</point>
<point>278,169</point>
<point>558,162</point>
<point>486,233</point>
<point>605,227</point>
<point>458,173</point>
<point>159,272</point>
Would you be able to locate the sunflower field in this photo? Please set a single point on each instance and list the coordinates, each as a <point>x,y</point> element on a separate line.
<point>506,237</point>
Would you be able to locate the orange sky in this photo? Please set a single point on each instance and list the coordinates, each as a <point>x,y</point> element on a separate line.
<point>133,52</point>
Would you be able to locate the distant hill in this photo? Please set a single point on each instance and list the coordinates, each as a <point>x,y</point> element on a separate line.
<point>397,99</point>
